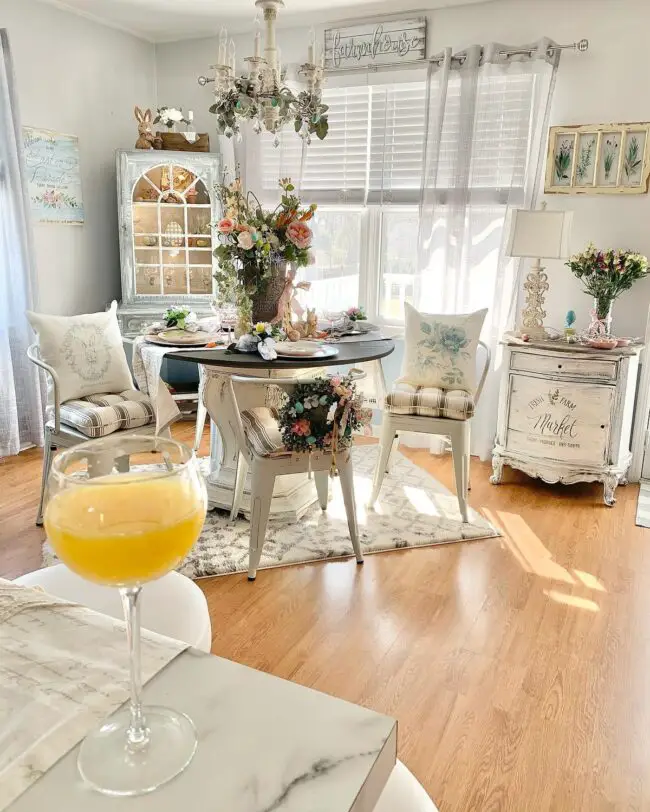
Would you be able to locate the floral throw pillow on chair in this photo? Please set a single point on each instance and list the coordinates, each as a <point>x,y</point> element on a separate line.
<point>440,350</point>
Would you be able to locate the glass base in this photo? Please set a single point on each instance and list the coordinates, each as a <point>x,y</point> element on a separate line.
<point>108,766</point>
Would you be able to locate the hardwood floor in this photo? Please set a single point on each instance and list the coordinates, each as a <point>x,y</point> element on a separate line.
<point>518,667</point>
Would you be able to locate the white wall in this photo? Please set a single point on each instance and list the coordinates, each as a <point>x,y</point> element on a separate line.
<point>78,77</point>
<point>611,82</point>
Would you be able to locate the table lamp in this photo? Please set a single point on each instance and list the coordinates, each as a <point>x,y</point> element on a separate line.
<point>540,235</point>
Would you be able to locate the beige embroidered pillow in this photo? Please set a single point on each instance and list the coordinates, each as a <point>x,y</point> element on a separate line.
<point>86,351</point>
<point>440,351</point>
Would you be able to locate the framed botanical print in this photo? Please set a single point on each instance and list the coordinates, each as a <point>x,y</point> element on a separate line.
<point>598,159</point>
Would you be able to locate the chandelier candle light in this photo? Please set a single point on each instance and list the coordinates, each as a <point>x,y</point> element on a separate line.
<point>261,96</point>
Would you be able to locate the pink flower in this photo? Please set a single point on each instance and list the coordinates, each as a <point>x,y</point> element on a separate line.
<point>301,427</point>
<point>299,234</point>
<point>226,226</point>
<point>244,240</point>
<point>335,381</point>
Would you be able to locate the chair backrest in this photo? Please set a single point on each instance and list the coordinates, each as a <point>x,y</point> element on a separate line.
<point>53,390</point>
<point>486,365</point>
<point>232,408</point>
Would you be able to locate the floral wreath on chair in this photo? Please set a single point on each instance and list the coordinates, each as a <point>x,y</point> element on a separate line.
<point>322,414</point>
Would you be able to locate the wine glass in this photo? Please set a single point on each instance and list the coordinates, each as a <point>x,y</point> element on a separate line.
<point>123,526</point>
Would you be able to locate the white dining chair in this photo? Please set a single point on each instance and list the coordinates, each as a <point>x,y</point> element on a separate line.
<point>70,423</point>
<point>404,793</point>
<point>261,451</point>
<point>430,410</point>
<point>173,605</point>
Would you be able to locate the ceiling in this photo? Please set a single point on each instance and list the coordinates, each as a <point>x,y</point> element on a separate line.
<point>168,20</point>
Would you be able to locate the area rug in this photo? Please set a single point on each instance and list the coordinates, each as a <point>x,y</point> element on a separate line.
<point>643,505</point>
<point>413,510</point>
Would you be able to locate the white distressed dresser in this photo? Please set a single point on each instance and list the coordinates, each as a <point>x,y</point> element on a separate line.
<point>565,412</point>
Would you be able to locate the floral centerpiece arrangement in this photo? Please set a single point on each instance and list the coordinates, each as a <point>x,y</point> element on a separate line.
<point>322,414</point>
<point>605,275</point>
<point>256,246</point>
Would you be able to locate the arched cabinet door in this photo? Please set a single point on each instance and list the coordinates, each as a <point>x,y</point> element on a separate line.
<point>167,211</point>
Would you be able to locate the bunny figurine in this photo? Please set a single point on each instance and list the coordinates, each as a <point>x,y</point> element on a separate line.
<point>145,137</point>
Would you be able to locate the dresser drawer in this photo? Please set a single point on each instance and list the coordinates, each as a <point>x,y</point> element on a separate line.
<point>568,422</point>
<point>561,364</point>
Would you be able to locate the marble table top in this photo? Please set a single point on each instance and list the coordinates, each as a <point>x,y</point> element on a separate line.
<point>265,745</point>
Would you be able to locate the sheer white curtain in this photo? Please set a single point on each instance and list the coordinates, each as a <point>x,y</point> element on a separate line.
<point>487,116</point>
<point>20,396</point>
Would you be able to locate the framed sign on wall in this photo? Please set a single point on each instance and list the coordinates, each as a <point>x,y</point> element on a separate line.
<point>598,159</point>
<point>376,42</point>
<point>53,176</point>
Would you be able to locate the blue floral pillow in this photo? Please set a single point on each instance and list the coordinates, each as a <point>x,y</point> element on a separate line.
<point>440,351</point>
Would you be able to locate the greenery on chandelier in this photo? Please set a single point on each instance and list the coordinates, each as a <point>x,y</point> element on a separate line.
<point>244,102</point>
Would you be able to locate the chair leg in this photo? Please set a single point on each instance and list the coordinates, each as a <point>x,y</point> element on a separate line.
<point>321,478</point>
<point>385,446</point>
<point>346,477</point>
<point>201,413</point>
<point>48,455</point>
<point>468,460</point>
<point>240,479</point>
<point>393,450</point>
<point>261,493</point>
<point>460,452</point>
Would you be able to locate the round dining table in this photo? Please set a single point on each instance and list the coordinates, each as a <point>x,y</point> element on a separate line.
<point>294,493</point>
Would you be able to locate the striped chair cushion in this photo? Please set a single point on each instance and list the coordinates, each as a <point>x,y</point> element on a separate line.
<point>262,432</point>
<point>430,402</point>
<point>99,415</point>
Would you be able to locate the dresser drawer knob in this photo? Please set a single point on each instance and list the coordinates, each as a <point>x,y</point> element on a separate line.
<point>559,366</point>
<point>602,427</point>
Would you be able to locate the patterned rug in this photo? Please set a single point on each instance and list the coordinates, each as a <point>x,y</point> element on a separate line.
<point>413,510</point>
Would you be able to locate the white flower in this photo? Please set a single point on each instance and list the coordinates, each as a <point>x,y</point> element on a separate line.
<point>244,240</point>
<point>266,349</point>
<point>311,259</point>
<point>173,114</point>
<point>274,240</point>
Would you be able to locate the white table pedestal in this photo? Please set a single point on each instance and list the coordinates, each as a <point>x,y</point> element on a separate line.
<point>293,494</point>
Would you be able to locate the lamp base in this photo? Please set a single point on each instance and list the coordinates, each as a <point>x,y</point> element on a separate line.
<point>532,316</point>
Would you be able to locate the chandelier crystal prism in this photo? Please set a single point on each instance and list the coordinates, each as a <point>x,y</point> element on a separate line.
<point>261,96</point>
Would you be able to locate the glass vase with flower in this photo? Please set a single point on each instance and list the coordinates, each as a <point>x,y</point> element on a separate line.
<point>256,248</point>
<point>605,275</point>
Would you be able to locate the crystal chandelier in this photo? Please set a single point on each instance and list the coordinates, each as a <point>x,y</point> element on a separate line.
<point>262,96</point>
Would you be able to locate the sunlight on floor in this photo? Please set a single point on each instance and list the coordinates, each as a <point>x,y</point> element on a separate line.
<point>572,600</point>
<point>531,554</point>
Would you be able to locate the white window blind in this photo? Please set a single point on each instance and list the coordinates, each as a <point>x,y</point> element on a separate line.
<point>374,151</point>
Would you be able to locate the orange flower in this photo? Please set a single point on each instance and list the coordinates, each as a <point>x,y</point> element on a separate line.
<point>307,216</point>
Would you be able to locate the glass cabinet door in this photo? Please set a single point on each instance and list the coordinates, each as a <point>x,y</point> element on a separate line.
<point>172,244</point>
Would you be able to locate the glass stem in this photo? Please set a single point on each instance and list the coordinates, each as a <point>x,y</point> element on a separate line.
<point>138,734</point>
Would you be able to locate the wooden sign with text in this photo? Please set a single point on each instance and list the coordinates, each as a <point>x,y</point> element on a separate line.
<point>382,42</point>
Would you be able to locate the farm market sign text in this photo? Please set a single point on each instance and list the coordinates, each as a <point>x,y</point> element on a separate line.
<point>385,43</point>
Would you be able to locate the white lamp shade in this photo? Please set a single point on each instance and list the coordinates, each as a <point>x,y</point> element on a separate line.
<point>540,234</point>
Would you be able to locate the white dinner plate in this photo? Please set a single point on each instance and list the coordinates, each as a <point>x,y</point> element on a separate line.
<point>179,338</point>
<point>304,349</point>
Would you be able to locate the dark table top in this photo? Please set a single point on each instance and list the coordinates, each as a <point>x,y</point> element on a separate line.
<point>349,353</point>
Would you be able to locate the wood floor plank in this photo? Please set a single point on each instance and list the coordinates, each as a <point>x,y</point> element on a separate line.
<point>517,667</point>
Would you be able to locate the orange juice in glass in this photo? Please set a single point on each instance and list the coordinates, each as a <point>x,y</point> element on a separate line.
<point>122,527</point>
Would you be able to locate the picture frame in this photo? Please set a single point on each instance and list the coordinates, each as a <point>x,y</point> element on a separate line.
<point>598,159</point>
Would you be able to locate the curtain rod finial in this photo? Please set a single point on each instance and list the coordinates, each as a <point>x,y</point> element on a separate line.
<point>582,45</point>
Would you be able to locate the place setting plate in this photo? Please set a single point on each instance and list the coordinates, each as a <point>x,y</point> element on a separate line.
<point>305,349</point>
<point>180,338</point>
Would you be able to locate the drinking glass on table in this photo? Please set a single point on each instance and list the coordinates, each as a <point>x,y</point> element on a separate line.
<point>120,525</point>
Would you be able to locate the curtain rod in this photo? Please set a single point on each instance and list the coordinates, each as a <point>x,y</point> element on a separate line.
<point>581,46</point>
